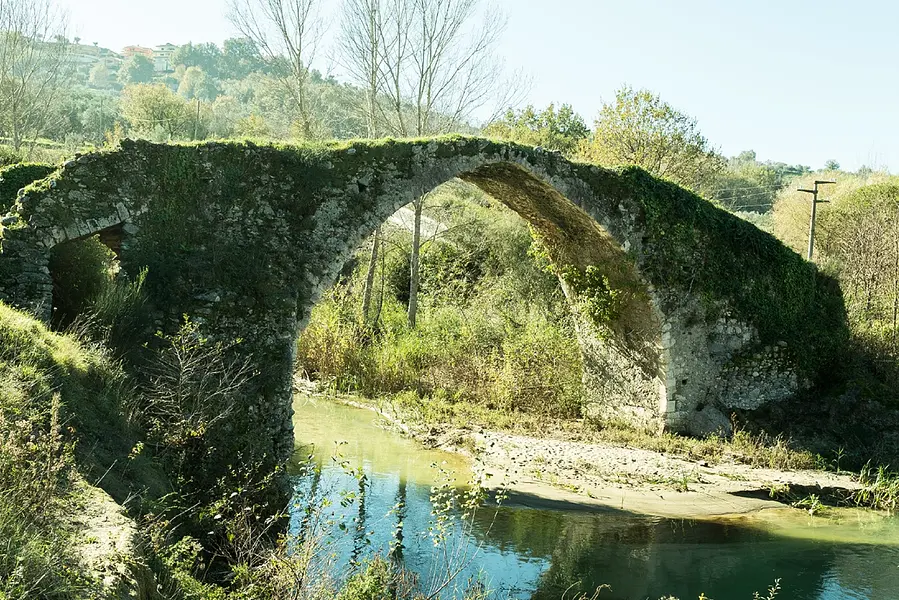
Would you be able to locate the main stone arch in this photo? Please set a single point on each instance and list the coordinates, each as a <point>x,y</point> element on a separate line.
<point>685,313</point>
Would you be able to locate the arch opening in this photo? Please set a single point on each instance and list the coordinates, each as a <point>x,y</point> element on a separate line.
<point>82,270</point>
<point>616,324</point>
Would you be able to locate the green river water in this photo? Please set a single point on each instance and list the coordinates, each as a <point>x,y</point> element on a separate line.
<point>525,553</point>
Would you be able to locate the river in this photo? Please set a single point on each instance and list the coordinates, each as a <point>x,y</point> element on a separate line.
<point>527,553</point>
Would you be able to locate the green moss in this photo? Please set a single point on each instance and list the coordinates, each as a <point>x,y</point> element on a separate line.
<point>15,177</point>
<point>601,303</point>
<point>695,246</point>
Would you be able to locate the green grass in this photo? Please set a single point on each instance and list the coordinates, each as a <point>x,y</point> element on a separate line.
<point>38,383</point>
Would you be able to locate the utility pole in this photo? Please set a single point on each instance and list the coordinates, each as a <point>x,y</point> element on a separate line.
<point>815,202</point>
<point>197,120</point>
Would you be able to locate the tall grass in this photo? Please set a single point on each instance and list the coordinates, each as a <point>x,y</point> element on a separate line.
<point>36,463</point>
<point>509,358</point>
<point>493,328</point>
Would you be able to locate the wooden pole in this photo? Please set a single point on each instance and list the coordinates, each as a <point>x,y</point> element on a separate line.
<point>811,227</point>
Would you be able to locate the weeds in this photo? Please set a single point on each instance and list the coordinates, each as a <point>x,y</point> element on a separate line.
<point>880,489</point>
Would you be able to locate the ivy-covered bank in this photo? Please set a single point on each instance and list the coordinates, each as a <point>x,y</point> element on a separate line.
<point>685,312</point>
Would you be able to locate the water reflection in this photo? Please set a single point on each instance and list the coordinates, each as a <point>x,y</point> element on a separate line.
<point>541,554</point>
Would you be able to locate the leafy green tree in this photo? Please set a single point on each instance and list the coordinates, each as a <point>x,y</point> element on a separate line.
<point>196,84</point>
<point>85,115</point>
<point>240,57</point>
<point>153,110</point>
<point>749,185</point>
<point>136,69</point>
<point>831,165</point>
<point>561,129</point>
<point>639,128</point>
<point>207,57</point>
<point>99,76</point>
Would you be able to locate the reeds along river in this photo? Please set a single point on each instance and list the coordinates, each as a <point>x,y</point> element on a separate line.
<point>539,554</point>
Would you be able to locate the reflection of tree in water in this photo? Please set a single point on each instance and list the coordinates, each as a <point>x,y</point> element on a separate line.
<point>396,547</point>
<point>360,539</point>
<point>642,557</point>
<point>645,558</point>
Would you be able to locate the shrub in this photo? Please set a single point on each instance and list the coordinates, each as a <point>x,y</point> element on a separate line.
<point>494,328</point>
<point>80,270</point>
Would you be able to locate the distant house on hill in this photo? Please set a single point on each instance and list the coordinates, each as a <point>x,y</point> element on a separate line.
<point>162,58</point>
<point>129,51</point>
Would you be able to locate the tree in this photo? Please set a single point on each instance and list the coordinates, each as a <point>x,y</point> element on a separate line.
<point>859,241</point>
<point>639,128</point>
<point>749,185</point>
<point>561,130</point>
<point>240,57</point>
<point>361,55</point>
<point>196,84</point>
<point>136,69</point>
<point>33,70</point>
<point>99,75</point>
<point>287,32</point>
<point>154,109</point>
<point>207,57</point>
<point>831,165</point>
<point>426,66</point>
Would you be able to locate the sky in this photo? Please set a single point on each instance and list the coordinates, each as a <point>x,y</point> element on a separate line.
<point>799,82</point>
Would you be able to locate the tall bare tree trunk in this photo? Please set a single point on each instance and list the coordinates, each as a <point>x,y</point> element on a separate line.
<point>415,270</point>
<point>370,276</point>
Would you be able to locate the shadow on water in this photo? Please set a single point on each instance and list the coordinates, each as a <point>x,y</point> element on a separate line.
<point>544,554</point>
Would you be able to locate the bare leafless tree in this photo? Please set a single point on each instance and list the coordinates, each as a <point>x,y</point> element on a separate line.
<point>34,66</point>
<point>288,33</point>
<point>360,53</point>
<point>426,66</point>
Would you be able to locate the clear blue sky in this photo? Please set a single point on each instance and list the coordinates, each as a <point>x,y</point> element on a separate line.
<point>796,81</point>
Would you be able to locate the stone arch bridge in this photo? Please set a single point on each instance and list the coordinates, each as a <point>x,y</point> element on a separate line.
<point>685,313</point>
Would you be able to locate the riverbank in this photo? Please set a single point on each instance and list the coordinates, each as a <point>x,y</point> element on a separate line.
<point>564,469</point>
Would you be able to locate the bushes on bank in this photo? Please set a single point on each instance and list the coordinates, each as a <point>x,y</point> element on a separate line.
<point>494,328</point>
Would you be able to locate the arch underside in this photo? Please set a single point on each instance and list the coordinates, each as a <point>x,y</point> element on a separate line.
<point>247,238</point>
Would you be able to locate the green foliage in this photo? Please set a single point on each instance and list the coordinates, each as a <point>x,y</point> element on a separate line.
<point>80,271</point>
<point>17,176</point>
<point>600,302</point>
<point>640,129</point>
<point>136,69</point>
<point>117,314</point>
<point>204,57</point>
<point>196,84</point>
<point>155,111</point>
<point>374,582</point>
<point>192,391</point>
<point>494,327</point>
<point>51,387</point>
<point>699,247</point>
<point>8,156</point>
<point>561,130</point>
<point>749,185</point>
<point>880,488</point>
<point>859,242</point>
